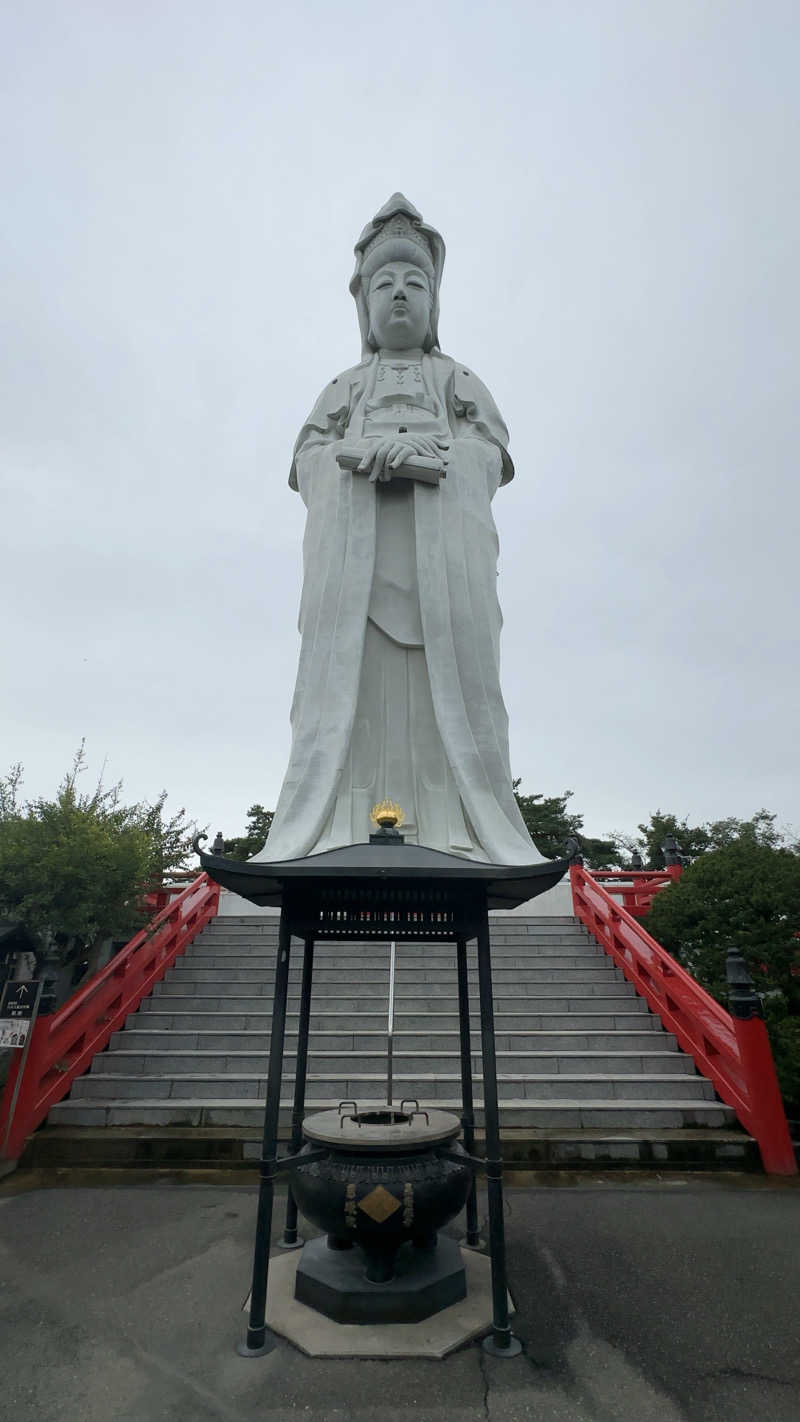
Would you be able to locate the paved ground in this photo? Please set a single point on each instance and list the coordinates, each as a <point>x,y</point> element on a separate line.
<point>644,1302</point>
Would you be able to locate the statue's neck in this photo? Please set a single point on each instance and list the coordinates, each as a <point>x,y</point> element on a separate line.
<point>415,353</point>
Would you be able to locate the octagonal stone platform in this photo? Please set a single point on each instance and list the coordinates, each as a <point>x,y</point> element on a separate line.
<point>435,1337</point>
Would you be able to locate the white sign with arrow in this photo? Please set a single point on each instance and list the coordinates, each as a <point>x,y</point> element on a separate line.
<point>17,1012</point>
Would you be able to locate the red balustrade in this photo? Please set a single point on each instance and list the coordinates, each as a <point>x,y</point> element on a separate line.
<point>157,896</point>
<point>63,1043</point>
<point>732,1053</point>
<point>637,887</point>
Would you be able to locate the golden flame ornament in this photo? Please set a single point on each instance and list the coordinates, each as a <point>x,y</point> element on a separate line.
<point>387,815</point>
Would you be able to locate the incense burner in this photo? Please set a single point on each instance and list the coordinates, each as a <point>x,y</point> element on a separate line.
<point>388,1181</point>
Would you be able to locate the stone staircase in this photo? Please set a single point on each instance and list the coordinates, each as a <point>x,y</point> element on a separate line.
<point>586,1072</point>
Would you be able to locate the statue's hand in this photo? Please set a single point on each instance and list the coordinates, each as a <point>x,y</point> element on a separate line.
<point>389,454</point>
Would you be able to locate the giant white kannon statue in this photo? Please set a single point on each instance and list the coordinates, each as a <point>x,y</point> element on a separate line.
<point>398,689</point>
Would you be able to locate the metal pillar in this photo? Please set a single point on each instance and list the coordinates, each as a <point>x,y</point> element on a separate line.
<point>467,1105</point>
<point>501,1343</point>
<point>290,1240</point>
<point>257,1342</point>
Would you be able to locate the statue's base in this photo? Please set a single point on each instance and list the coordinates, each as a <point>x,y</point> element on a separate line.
<point>321,1337</point>
<point>332,1281</point>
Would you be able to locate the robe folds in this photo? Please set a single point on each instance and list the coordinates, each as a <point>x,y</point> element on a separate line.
<point>455,547</point>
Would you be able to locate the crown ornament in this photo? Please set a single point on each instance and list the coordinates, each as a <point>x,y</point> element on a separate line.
<point>400,228</point>
<point>396,234</point>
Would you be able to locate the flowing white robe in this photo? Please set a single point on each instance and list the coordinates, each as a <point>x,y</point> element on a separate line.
<point>448,699</point>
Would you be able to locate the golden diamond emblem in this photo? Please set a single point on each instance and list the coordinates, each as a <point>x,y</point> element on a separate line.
<point>379,1204</point>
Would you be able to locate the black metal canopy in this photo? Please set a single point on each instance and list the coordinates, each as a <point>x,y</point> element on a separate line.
<point>385,889</point>
<point>394,863</point>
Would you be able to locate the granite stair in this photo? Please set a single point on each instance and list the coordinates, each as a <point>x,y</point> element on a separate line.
<point>585,1072</point>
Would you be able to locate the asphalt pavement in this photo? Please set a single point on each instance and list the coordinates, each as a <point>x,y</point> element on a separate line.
<point>647,1301</point>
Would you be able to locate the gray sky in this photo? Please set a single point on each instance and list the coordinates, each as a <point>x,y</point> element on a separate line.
<point>617,186</point>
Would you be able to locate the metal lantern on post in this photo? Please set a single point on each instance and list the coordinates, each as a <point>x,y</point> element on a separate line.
<point>385,890</point>
<point>747,1011</point>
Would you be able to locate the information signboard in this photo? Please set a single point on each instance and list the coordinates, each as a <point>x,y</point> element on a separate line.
<point>18,1006</point>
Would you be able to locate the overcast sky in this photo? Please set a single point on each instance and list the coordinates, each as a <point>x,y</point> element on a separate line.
<point>617,185</point>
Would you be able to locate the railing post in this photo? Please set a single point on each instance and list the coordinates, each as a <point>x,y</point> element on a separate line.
<point>575,872</point>
<point>290,1240</point>
<point>257,1342</point>
<point>673,864</point>
<point>574,854</point>
<point>501,1342</point>
<point>467,1099</point>
<point>758,1066</point>
<point>390,1024</point>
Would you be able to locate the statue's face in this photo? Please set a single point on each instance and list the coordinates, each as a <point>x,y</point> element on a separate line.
<point>399,306</point>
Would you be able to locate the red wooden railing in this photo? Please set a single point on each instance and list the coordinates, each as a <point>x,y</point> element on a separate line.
<point>637,887</point>
<point>157,896</point>
<point>63,1043</point>
<point>733,1053</point>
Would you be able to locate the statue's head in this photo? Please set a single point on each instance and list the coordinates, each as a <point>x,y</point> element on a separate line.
<point>399,300</point>
<point>399,262</point>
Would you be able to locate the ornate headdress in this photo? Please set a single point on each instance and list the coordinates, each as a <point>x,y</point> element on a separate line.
<point>397,234</point>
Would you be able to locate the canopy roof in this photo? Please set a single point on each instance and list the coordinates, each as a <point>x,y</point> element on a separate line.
<point>507,885</point>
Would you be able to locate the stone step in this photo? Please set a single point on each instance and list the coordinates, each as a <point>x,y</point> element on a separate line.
<point>578,1051</point>
<point>250,1003</point>
<point>604,1016</point>
<point>245,941</point>
<point>532,1148</point>
<point>265,962</point>
<point>175,1040</point>
<point>603,985</point>
<point>518,1113</point>
<point>443,953</point>
<point>445,978</point>
<point>424,1085</point>
<point>541,1002</point>
<point>172,1061</point>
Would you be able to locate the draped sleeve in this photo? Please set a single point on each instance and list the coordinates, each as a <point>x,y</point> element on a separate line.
<point>330,416</point>
<point>472,402</point>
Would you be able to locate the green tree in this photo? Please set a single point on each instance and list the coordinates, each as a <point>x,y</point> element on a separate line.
<point>747,894</point>
<point>73,869</point>
<point>694,840</point>
<point>691,839</point>
<point>549,824</point>
<point>759,829</point>
<point>244,846</point>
